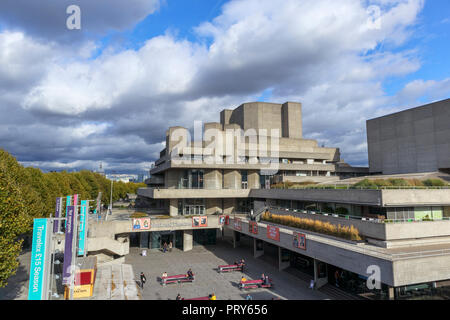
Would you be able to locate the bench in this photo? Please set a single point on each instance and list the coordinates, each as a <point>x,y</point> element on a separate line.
<point>252,284</point>
<point>176,279</point>
<point>199,298</point>
<point>231,267</point>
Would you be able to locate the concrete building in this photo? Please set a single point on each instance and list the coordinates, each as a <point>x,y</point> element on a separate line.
<point>254,146</point>
<point>405,232</point>
<point>411,141</point>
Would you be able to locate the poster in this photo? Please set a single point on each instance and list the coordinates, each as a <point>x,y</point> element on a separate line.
<point>221,220</point>
<point>253,227</point>
<point>141,224</point>
<point>273,233</point>
<point>299,240</point>
<point>237,224</point>
<point>201,221</point>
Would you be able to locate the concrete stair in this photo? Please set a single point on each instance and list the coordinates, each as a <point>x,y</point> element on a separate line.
<point>338,294</point>
<point>109,245</point>
<point>116,282</point>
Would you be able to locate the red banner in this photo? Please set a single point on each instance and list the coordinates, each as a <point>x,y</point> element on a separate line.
<point>299,240</point>
<point>273,233</point>
<point>200,221</point>
<point>253,227</point>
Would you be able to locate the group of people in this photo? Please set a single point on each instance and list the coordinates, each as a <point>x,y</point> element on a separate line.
<point>167,247</point>
<point>240,263</point>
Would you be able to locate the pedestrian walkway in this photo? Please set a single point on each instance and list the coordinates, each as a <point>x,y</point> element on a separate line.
<point>115,282</point>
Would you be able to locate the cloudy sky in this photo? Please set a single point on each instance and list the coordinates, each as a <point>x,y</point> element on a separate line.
<point>107,92</point>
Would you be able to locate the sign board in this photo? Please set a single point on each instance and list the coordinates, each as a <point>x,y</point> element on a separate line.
<point>221,220</point>
<point>237,224</point>
<point>253,227</point>
<point>82,231</point>
<point>273,233</point>
<point>201,221</point>
<point>40,256</point>
<point>299,240</point>
<point>141,224</point>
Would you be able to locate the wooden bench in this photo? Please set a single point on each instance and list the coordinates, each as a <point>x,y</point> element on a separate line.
<point>252,284</point>
<point>177,279</point>
<point>231,267</point>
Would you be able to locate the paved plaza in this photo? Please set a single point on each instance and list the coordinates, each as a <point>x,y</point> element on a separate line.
<point>204,261</point>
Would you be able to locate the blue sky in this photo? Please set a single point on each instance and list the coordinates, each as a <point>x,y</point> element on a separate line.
<point>108,92</point>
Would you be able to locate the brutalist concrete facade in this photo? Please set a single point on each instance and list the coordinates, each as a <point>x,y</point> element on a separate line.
<point>411,141</point>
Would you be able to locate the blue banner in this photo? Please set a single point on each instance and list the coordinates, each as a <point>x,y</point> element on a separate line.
<point>68,203</point>
<point>82,232</point>
<point>38,265</point>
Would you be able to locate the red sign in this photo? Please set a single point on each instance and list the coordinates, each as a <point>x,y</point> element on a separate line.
<point>200,221</point>
<point>237,224</point>
<point>299,240</point>
<point>273,233</point>
<point>227,220</point>
<point>253,227</point>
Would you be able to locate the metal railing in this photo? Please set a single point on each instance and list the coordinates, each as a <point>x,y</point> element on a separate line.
<point>353,187</point>
<point>282,210</point>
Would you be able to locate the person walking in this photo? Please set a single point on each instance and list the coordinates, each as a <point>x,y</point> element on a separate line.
<point>143,280</point>
<point>248,297</point>
<point>178,297</point>
<point>170,246</point>
<point>165,247</point>
<point>336,278</point>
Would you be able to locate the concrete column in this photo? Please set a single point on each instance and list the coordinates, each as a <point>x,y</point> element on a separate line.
<point>257,253</point>
<point>282,264</point>
<point>232,179</point>
<point>253,179</point>
<point>144,241</point>
<point>173,207</point>
<point>391,294</point>
<point>187,240</point>
<point>236,239</point>
<point>319,282</point>
<point>213,179</point>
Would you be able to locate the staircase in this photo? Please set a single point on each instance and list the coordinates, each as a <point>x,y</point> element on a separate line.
<point>109,245</point>
<point>338,294</point>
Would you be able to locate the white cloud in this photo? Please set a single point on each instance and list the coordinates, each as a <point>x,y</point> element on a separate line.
<point>325,54</point>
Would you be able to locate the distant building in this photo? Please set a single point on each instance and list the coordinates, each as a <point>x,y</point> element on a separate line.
<point>411,141</point>
<point>122,177</point>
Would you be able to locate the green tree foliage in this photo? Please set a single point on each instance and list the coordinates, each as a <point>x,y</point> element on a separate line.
<point>27,193</point>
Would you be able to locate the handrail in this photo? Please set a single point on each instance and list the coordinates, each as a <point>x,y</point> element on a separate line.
<point>350,217</point>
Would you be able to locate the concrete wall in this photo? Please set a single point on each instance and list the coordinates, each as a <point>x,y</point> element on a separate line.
<point>414,140</point>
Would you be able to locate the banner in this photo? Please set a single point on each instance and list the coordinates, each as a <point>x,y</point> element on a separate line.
<point>273,233</point>
<point>70,225</point>
<point>141,224</point>
<point>299,240</point>
<point>68,203</point>
<point>221,220</point>
<point>82,232</point>
<point>58,213</point>
<point>253,227</point>
<point>200,221</point>
<point>37,289</point>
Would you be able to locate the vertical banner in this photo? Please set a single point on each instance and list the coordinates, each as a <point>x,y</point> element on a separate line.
<point>68,203</point>
<point>82,231</point>
<point>39,265</point>
<point>58,214</point>
<point>70,221</point>
<point>75,199</point>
